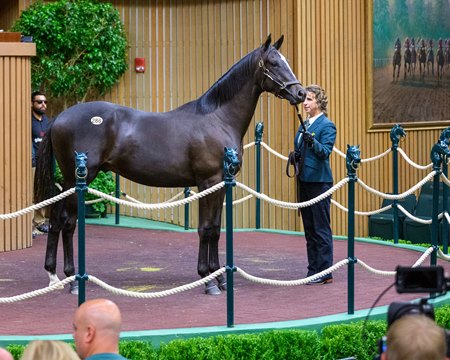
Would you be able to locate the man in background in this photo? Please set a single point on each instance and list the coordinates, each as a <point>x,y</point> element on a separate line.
<point>39,125</point>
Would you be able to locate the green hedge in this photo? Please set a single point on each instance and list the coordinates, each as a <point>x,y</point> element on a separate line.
<point>357,339</point>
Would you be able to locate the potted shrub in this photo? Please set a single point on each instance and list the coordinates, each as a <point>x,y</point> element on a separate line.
<point>104,182</point>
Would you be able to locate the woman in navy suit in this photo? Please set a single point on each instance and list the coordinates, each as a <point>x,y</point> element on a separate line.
<point>315,146</point>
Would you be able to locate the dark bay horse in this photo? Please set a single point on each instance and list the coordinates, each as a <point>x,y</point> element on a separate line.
<point>396,62</point>
<point>422,58</point>
<point>440,61</point>
<point>179,148</point>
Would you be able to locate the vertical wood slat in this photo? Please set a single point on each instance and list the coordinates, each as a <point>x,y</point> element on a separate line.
<point>15,148</point>
<point>205,38</point>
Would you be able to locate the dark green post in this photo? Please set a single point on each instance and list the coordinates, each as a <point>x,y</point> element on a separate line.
<point>445,136</point>
<point>81,188</point>
<point>444,209</point>
<point>397,133</point>
<point>353,159</point>
<point>259,129</point>
<point>117,197</point>
<point>436,158</point>
<point>187,192</point>
<point>231,165</point>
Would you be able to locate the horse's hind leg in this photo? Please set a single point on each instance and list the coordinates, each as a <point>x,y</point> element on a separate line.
<point>56,221</point>
<point>210,211</point>
<point>67,236</point>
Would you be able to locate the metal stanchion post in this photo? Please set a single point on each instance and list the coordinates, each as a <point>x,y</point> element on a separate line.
<point>259,129</point>
<point>80,188</point>
<point>353,159</point>
<point>231,167</point>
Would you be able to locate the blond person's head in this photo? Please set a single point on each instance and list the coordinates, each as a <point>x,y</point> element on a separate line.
<point>415,337</point>
<point>49,350</point>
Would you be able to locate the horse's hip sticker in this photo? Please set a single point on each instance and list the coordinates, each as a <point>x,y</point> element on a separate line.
<point>96,120</point>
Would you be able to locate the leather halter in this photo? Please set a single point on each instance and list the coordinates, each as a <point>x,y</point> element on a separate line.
<point>282,84</point>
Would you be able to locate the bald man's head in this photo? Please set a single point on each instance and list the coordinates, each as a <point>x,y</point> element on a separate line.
<point>5,355</point>
<point>96,327</point>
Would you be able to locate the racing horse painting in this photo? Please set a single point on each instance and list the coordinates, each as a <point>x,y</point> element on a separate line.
<point>440,60</point>
<point>179,148</point>
<point>396,62</point>
<point>422,58</point>
<point>407,58</point>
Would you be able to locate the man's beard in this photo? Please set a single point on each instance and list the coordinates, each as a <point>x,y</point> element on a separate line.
<point>39,111</point>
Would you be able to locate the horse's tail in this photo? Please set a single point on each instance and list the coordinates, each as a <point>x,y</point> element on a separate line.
<point>44,187</point>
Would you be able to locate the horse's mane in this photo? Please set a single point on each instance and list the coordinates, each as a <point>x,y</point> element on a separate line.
<point>227,86</point>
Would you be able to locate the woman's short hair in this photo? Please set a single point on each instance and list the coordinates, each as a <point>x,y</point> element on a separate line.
<point>321,97</point>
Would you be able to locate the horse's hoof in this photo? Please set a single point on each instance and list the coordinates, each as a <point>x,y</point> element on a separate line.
<point>212,290</point>
<point>223,286</point>
<point>74,288</point>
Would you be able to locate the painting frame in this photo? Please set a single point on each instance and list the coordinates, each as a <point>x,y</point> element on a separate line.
<point>406,88</point>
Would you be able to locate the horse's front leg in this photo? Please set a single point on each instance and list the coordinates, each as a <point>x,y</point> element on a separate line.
<point>210,211</point>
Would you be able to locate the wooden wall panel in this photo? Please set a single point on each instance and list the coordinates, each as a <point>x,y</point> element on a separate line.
<point>15,144</point>
<point>189,44</point>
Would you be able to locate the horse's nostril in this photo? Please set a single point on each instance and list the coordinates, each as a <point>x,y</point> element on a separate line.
<point>302,95</point>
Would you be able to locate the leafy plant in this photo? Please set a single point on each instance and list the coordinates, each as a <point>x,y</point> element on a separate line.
<point>104,182</point>
<point>81,47</point>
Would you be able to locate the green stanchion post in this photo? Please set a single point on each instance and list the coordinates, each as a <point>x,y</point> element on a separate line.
<point>445,136</point>
<point>231,166</point>
<point>187,192</point>
<point>259,129</point>
<point>80,189</point>
<point>438,151</point>
<point>117,219</point>
<point>396,134</point>
<point>353,159</point>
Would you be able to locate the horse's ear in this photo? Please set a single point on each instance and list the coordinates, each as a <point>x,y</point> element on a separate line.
<point>277,44</point>
<point>348,146</point>
<point>267,43</point>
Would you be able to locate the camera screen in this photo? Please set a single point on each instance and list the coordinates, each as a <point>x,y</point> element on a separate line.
<point>420,279</point>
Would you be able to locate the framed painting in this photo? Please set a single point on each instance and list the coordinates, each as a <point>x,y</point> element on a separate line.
<point>410,62</point>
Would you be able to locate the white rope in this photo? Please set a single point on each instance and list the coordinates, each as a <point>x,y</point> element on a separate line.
<point>249,145</point>
<point>445,179</point>
<point>376,157</point>
<point>159,206</point>
<point>267,147</point>
<point>304,281</point>
<point>373,270</point>
<point>399,196</point>
<point>442,255</point>
<point>56,286</point>
<point>289,205</point>
<point>158,294</point>
<point>60,284</point>
<point>241,200</point>
<point>423,257</point>
<point>38,206</point>
<point>412,163</point>
<point>339,152</point>
<point>363,213</point>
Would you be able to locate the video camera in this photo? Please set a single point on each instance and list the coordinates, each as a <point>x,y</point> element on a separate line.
<point>424,279</point>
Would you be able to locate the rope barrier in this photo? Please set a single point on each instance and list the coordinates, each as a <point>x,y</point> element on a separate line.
<point>38,206</point>
<point>412,163</point>
<point>399,196</point>
<point>153,295</point>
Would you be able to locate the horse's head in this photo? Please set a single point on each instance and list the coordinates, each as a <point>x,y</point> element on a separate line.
<point>275,74</point>
<point>397,132</point>
<point>439,151</point>
<point>353,157</point>
<point>231,162</point>
<point>445,135</point>
<point>81,165</point>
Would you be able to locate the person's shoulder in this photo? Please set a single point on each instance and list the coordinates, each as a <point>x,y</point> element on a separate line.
<point>106,356</point>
